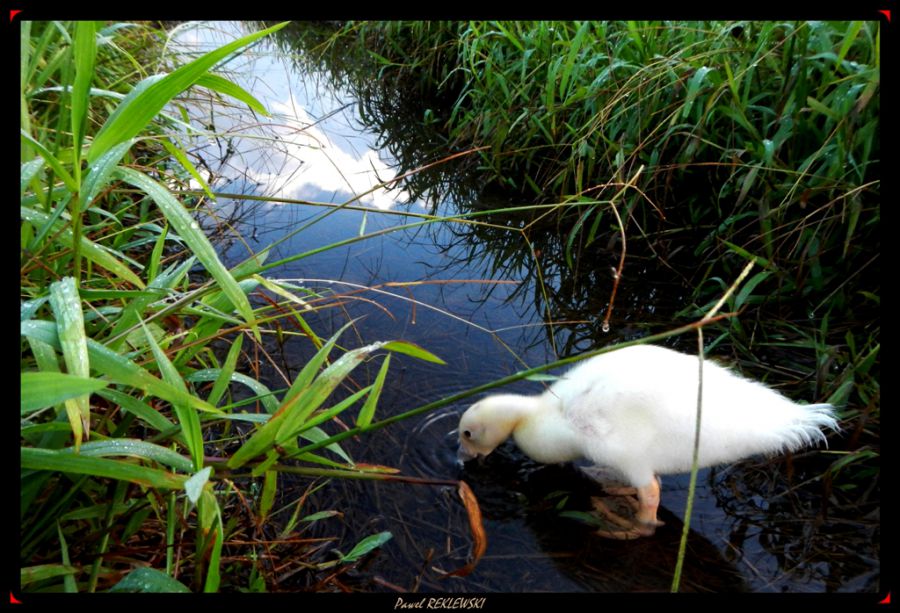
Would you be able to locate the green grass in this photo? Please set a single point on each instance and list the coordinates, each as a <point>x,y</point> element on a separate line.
<point>121,406</point>
<point>754,141</point>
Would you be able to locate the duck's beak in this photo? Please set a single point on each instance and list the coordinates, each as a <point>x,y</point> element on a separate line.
<point>464,455</point>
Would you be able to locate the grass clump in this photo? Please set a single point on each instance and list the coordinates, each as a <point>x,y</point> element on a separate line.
<point>138,460</point>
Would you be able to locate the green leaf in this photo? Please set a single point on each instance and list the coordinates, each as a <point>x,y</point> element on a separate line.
<point>29,172</point>
<point>317,435</point>
<point>117,367</point>
<point>368,411</point>
<point>852,32</point>
<point>134,113</point>
<point>66,304</point>
<point>142,411</point>
<point>148,580</point>
<point>156,255</point>
<point>224,377</point>
<point>413,350</point>
<point>189,230</point>
<point>193,487</point>
<point>211,521</point>
<point>758,259</point>
<point>748,288</point>
<point>296,410</point>
<point>187,416</point>
<point>135,448</point>
<point>68,580</point>
<point>51,159</point>
<point>84,51</point>
<point>67,462</point>
<point>158,288</point>
<point>574,48</point>
<point>366,545</point>
<point>267,397</point>
<point>337,409</point>
<point>321,515</point>
<point>693,89</point>
<point>821,108</point>
<point>270,486</point>
<point>42,572</point>
<point>45,389</point>
<point>182,158</point>
<point>92,251</point>
<point>305,376</point>
<point>290,418</point>
<point>100,171</point>
<point>229,88</point>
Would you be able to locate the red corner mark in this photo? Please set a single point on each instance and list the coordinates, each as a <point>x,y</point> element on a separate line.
<point>13,13</point>
<point>13,599</point>
<point>887,599</point>
<point>886,14</point>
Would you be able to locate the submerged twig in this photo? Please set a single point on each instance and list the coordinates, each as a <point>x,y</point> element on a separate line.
<point>478,534</point>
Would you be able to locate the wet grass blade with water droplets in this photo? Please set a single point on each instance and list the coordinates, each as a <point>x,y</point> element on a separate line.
<point>47,459</point>
<point>118,368</point>
<point>189,230</point>
<point>44,389</point>
<point>66,306</point>
<point>187,416</point>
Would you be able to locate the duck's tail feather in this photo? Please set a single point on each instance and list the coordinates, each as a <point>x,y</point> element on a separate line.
<point>807,429</point>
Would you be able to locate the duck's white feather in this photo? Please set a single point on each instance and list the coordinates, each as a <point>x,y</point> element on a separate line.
<point>634,410</point>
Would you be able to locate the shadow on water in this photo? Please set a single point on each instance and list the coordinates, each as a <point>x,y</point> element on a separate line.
<point>485,331</point>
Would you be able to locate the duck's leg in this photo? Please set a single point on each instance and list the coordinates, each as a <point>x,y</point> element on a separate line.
<point>645,508</point>
<point>648,499</point>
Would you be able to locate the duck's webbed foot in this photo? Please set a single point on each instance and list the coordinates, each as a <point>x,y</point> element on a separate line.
<point>643,511</point>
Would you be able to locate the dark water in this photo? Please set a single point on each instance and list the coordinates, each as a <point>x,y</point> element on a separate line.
<point>751,530</point>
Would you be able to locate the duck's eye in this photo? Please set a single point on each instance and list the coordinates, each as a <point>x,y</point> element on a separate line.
<point>467,434</point>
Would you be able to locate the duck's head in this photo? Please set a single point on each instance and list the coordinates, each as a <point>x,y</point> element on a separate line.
<point>485,425</point>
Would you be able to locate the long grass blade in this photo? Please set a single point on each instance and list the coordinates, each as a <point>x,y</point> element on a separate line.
<point>47,459</point>
<point>187,416</point>
<point>100,171</point>
<point>230,88</point>
<point>224,378</point>
<point>368,411</point>
<point>52,160</point>
<point>141,410</point>
<point>66,304</point>
<point>134,113</point>
<point>85,52</point>
<point>135,448</point>
<point>189,230</point>
<point>45,389</point>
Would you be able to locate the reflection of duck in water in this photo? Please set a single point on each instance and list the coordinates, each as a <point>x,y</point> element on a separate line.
<point>634,410</point>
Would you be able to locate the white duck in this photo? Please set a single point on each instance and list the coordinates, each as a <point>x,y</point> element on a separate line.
<point>634,410</point>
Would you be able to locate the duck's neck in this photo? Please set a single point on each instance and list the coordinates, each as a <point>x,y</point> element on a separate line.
<point>542,432</point>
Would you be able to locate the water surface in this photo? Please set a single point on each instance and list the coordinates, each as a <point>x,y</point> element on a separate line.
<point>438,287</point>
